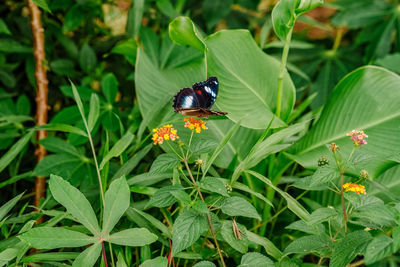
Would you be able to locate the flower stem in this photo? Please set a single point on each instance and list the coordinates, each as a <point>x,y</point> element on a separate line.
<point>343,204</point>
<point>282,72</point>
<point>210,226</point>
<point>190,142</point>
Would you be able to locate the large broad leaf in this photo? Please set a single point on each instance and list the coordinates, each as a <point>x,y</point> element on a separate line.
<point>248,80</point>
<point>255,259</point>
<point>89,256</point>
<point>367,99</point>
<point>155,89</point>
<point>55,237</point>
<point>75,203</point>
<point>117,200</point>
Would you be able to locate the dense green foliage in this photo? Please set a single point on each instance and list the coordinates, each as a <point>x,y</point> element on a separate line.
<point>281,180</point>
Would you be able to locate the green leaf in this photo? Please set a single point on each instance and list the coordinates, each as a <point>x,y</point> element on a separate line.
<point>204,264</point>
<point>269,247</point>
<point>120,260</point>
<point>127,48</point>
<point>391,62</point>
<point>215,10</point>
<point>320,180</point>
<point>396,239</point>
<point>352,95</point>
<point>118,148</point>
<point>42,4</point>
<point>255,259</point>
<point>109,86</point>
<point>57,145</point>
<point>345,250</point>
<point>164,163</point>
<point>13,151</point>
<point>374,216</point>
<point>132,162</point>
<point>12,46</point>
<point>50,256</point>
<point>237,206</point>
<point>75,203</point>
<point>156,223</point>
<point>117,199</point>
<point>292,203</point>
<point>87,58</point>
<point>55,237</point>
<point>321,215</point>
<point>159,262</point>
<point>286,12</point>
<point>379,248</point>
<point>310,244</point>
<point>135,18</point>
<point>94,111</point>
<point>240,245</point>
<point>181,196</point>
<point>60,164</point>
<point>135,237</point>
<point>6,207</point>
<point>74,17</point>
<point>89,256</point>
<point>187,229</point>
<point>183,32</point>
<point>63,67</point>
<point>214,185</point>
<point>306,227</point>
<point>246,92</point>
<point>3,28</point>
<point>62,128</point>
<point>163,197</point>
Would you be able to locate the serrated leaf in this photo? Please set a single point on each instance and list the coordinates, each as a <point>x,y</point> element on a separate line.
<point>321,215</point>
<point>59,164</point>
<point>159,262</point>
<point>187,229</point>
<point>227,233</point>
<point>164,162</point>
<point>57,145</point>
<point>255,259</point>
<point>214,185</point>
<point>117,199</point>
<point>319,180</point>
<point>181,196</point>
<point>345,250</point>
<point>379,248</point>
<point>136,237</point>
<point>306,228</point>
<point>55,237</point>
<point>75,203</point>
<point>269,247</point>
<point>310,244</point>
<point>119,147</point>
<point>374,216</point>
<point>237,206</point>
<point>163,197</point>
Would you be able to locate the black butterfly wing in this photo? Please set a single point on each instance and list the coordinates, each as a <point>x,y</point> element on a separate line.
<point>186,98</point>
<point>206,92</point>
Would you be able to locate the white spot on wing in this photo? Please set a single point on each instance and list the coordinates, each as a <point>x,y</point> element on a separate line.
<point>209,91</point>
<point>187,103</point>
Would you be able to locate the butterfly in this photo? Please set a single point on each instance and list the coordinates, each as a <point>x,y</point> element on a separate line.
<point>197,101</point>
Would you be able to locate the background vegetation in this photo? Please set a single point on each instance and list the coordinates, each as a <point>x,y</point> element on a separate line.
<point>82,183</point>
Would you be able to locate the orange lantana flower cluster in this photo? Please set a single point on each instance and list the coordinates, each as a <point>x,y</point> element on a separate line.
<point>357,188</point>
<point>358,137</point>
<point>164,133</point>
<point>194,124</point>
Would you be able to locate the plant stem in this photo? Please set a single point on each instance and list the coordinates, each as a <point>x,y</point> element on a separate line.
<point>104,254</point>
<point>338,39</point>
<point>96,164</point>
<point>282,72</point>
<point>343,204</point>
<point>210,226</point>
<point>41,94</point>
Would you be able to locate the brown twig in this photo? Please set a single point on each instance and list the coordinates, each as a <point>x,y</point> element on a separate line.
<point>41,92</point>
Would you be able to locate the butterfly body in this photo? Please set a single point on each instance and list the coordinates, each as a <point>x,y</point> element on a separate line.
<point>197,101</point>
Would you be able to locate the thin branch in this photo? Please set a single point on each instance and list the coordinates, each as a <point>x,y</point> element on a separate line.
<point>41,92</point>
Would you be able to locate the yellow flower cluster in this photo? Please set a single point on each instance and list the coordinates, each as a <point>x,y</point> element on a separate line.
<point>164,133</point>
<point>194,124</point>
<point>357,188</point>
